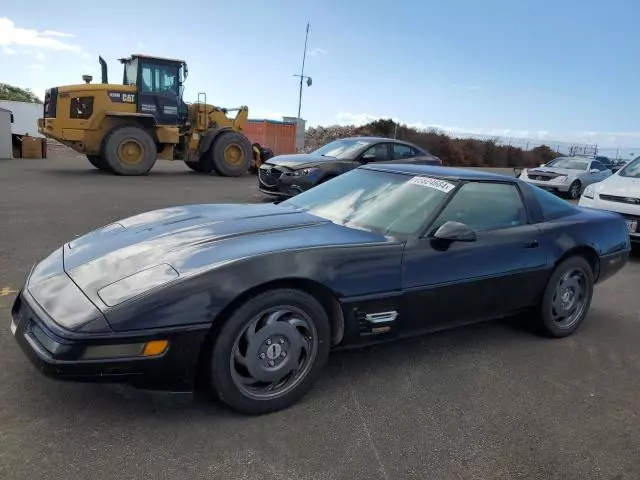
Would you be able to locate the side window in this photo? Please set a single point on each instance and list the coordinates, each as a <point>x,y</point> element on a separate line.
<point>597,165</point>
<point>552,207</point>
<point>380,152</point>
<point>485,206</point>
<point>402,151</point>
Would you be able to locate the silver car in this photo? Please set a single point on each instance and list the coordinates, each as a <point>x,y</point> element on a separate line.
<point>566,175</point>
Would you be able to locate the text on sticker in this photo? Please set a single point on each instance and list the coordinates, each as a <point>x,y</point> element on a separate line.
<point>441,185</point>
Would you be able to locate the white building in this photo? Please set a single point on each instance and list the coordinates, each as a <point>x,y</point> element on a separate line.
<point>6,151</point>
<point>25,117</point>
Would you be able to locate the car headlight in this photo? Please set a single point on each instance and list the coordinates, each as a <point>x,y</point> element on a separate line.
<point>137,284</point>
<point>589,192</point>
<point>559,179</point>
<point>304,172</point>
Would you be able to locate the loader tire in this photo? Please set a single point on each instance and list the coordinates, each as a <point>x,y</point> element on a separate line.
<point>98,162</point>
<point>197,167</point>
<point>231,154</point>
<point>130,151</point>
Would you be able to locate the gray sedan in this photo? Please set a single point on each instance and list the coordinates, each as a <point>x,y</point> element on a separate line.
<point>567,175</point>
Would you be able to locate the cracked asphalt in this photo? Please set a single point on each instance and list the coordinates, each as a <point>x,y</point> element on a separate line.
<point>487,401</point>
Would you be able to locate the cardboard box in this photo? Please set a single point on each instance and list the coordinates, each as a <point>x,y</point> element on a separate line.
<point>33,147</point>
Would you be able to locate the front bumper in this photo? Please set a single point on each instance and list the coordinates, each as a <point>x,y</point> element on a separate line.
<point>63,356</point>
<point>552,187</point>
<point>630,213</point>
<point>283,183</point>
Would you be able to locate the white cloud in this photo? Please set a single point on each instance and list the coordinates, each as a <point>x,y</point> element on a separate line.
<point>40,56</point>
<point>54,33</point>
<point>8,51</point>
<point>316,51</point>
<point>11,35</point>
<point>36,66</point>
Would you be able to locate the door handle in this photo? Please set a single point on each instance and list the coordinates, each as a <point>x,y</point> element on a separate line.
<point>530,244</point>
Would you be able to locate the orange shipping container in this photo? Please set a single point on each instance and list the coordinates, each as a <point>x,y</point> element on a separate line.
<point>278,136</point>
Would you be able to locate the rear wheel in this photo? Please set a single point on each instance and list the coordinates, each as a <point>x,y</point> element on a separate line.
<point>231,154</point>
<point>270,351</point>
<point>567,298</point>
<point>130,151</point>
<point>98,162</point>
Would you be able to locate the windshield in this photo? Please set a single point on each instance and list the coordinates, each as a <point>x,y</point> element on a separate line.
<point>631,170</point>
<point>387,203</point>
<point>341,148</point>
<point>568,163</point>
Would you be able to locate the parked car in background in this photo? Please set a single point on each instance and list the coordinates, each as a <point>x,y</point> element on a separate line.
<point>619,164</point>
<point>250,299</point>
<point>288,175</point>
<point>566,175</point>
<point>619,193</point>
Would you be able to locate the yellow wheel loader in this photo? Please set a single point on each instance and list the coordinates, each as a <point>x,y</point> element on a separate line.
<point>125,128</point>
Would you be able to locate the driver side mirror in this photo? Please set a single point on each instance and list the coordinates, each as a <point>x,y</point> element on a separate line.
<point>543,164</point>
<point>455,232</point>
<point>369,157</point>
<point>594,170</point>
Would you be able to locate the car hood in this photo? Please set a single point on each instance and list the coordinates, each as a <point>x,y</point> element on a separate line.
<point>557,171</point>
<point>619,186</point>
<point>192,238</point>
<point>302,160</point>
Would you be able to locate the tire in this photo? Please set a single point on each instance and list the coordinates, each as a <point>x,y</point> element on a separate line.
<point>231,154</point>
<point>98,162</point>
<point>573,273</point>
<point>274,348</point>
<point>197,167</point>
<point>130,151</point>
<point>575,189</point>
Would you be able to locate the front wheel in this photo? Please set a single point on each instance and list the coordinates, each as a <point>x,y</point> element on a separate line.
<point>567,298</point>
<point>231,154</point>
<point>270,351</point>
<point>575,190</point>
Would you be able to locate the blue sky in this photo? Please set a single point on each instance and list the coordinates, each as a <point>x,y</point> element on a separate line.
<point>564,69</point>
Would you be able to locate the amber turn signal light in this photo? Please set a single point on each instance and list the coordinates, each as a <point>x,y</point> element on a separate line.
<point>155,347</point>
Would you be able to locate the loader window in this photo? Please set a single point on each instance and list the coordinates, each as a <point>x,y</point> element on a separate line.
<point>131,72</point>
<point>158,78</point>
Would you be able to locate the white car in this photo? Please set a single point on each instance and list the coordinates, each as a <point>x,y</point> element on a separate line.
<point>566,175</point>
<point>619,193</point>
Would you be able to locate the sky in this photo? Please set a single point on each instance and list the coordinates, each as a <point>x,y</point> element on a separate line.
<point>562,70</point>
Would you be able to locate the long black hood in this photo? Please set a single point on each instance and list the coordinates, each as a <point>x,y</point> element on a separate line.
<point>195,237</point>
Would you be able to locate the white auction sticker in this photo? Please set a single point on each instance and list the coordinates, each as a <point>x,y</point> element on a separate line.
<point>438,184</point>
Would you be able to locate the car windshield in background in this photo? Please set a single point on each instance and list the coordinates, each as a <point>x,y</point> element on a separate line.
<point>382,202</point>
<point>341,148</point>
<point>568,163</point>
<point>631,170</point>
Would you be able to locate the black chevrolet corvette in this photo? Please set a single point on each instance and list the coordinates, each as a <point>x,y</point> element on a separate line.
<point>249,299</point>
<point>288,175</point>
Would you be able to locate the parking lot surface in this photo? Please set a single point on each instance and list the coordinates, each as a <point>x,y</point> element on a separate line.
<point>491,400</point>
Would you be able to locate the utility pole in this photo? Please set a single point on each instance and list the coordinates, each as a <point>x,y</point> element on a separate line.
<point>302,77</point>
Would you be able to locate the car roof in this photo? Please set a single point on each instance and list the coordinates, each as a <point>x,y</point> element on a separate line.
<point>378,139</point>
<point>441,172</point>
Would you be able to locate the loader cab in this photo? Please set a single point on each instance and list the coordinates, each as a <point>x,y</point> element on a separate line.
<point>159,84</point>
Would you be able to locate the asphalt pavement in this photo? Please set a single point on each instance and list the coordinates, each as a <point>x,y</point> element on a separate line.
<point>487,401</point>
